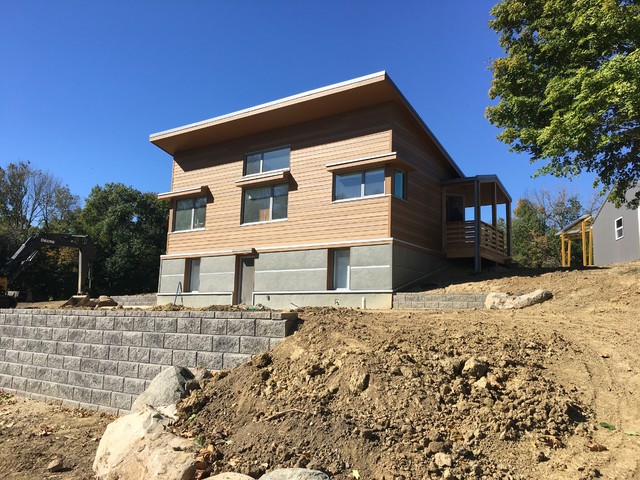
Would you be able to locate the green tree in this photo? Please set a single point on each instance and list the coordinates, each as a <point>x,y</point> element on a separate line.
<point>569,88</point>
<point>529,240</point>
<point>129,229</point>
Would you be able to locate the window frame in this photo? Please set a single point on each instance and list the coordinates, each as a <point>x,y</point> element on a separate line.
<point>333,270</point>
<point>188,274</point>
<point>262,154</point>
<point>404,183</point>
<point>271,203</point>
<point>619,230</point>
<point>193,209</point>
<point>363,184</point>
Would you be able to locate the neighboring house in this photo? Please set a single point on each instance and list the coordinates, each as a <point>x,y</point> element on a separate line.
<point>336,196</point>
<point>616,233</point>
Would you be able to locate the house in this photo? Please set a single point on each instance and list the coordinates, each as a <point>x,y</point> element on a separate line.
<point>616,233</point>
<point>336,196</point>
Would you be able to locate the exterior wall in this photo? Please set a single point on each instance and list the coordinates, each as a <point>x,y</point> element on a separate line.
<point>606,249</point>
<point>104,359</point>
<point>313,218</point>
<point>410,265</point>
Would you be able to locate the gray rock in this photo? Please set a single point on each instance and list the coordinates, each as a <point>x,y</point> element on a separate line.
<point>231,476</point>
<point>137,446</point>
<point>504,301</point>
<point>294,474</point>
<point>358,382</point>
<point>475,368</point>
<point>55,465</point>
<point>165,389</point>
<point>442,460</point>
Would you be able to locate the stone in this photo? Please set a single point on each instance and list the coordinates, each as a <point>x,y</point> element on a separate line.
<point>231,476</point>
<point>294,474</point>
<point>436,447</point>
<point>165,389</point>
<point>56,465</point>
<point>106,301</point>
<point>475,368</point>
<point>504,301</point>
<point>137,446</point>
<point>442,460</point>
<point>358,382</point>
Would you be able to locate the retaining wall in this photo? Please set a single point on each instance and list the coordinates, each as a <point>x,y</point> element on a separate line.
<point>103,359</point>
<point>438,301</point>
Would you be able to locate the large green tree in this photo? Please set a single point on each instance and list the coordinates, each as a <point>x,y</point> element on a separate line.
<point>569,87</point>
<point>129,229</point>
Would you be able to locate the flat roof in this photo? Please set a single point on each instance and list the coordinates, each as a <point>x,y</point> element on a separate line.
<point>318,103</point>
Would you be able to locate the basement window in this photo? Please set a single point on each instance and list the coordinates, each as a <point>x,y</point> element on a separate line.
<point>190,214</point>
<point>619,229</point>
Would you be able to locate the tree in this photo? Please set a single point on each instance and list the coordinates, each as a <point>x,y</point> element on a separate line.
<point>569,88</point>
<point>129,228</point>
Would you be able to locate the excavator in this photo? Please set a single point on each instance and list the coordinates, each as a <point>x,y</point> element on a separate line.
<point>29,249</point>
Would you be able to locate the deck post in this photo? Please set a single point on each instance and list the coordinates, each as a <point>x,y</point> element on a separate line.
<point>508,228</point>
<point>476,213</point>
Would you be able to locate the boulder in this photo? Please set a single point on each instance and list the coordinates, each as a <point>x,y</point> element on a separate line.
<point>165,390</point>
<point>294,474</point>
<point>504,301</point>
<point>137,446</point>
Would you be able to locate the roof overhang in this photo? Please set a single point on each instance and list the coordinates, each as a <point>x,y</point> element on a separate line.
<point>465,185</point>
<point>322,102</point>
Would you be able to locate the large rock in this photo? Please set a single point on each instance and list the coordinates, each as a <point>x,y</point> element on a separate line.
<point>165,390</point>
<point>294,474</point>
<point>503,301</point>
<point>137,446</point>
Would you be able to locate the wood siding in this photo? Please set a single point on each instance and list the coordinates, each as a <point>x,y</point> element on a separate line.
<point>418,220</point>
<point>312,216</point>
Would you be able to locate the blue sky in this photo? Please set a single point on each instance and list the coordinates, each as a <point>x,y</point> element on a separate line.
<point>83,84</point>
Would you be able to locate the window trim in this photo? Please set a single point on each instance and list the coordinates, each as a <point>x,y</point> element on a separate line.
<point>271,197</point>
<point>362,184</point>
<point>188,270</point>
<point>332,270</point>
<point>619,231</point>
<point>262,152</point>
<point>193,214</point>
<point>405,183</point>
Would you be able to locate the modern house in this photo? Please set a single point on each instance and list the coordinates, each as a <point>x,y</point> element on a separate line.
<point>616,233</point>
<point>336,196</point>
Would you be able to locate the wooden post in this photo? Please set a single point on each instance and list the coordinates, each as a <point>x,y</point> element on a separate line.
<point>508,228</point>
<point>562,250</point>
<point>476,211</point>
<point>584,243</point>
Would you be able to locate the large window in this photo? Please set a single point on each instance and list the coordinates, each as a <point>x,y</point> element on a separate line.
<point>265,203</point>
<point>358,184</point>
<point>619,229</point>
<point>267,161</point>
<point>190,214</point>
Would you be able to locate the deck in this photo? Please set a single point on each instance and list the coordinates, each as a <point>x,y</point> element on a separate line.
<point>460,241</point>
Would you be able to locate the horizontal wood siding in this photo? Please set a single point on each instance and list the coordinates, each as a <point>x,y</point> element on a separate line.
<point>312,216</point>
<point>419,219</point>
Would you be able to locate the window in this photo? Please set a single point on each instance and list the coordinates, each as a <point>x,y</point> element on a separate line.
<point>194,275</point>
<point>267,161</point>
<point>265,203</point>
<point>400,184</point>
<point>190,214</point>
<point>619,230</point>
<point>340,269</point>
<point>358,184</point>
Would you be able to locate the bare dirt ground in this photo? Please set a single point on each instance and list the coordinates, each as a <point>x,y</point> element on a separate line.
<point>549,391</point>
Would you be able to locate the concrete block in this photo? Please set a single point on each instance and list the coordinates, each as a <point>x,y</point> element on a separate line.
<point>33,385</point>
<point>254,345</point>
<point>89,365</point>
<point>19,383</point>
<point>37,320</point>
<point>108,367</point>
<point>113,383</point>
<point>139,354</point>
<point>91,380</point>
<point>160,356</point>
<point>20,344</point>
<point>26,358</point>
<point>43,333</point>
<point>82,394</point>
<point>28,371</point>
<point>143,324</point>
<point>76,336</point>
<point>29,332</point>
<point>118,353</point>
<point>101,397</point>
<point>86,322</point>
<point>6,343</point>
<point>256,314</point>
<point>65,392</point>
<point>128,369</point>
<point>148,371</point>
<point>112,337</point>
<point>64,348</point>
<point>188,325</point>
<point>12,356</point>
<point>40,359</point>
<point>214,326</point>
<point>5,381</point>
<point>14,369</point>
<point>232,360</point>
<point>43,373</point>
<point>132,338</point>
<point>209,360</point>
<point>184,358</point>
<point>199,342</point>
<point>123,323</point>
<point>284,316</point>
<point>121,400</point>
<point>70,321</point>
<point>100,352</point>
<point>70,403</point>
<point>271,328</point>
<point>154,340</point>
<point>93,336</point>
<point>241,326</point>
<point>105,323</point>
<point>50,389</point>
<point>134,385</point>
<point>59,375</point>
<point>35,345</point>
<point>72,363</point>
<point>225,343</point>
<point>176,341</point>
<point>54,321</point>
<point>60,334</point>
<point>167,325</point>
<point>81,350</point>
<point>228,314</point>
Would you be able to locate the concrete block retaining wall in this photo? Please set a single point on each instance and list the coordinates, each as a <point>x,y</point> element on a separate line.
<point>102,359</point>
<point>438,301</point>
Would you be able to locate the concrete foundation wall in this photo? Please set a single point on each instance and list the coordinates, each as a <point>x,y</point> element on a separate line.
<point>171,272</point>
<point>410,265</point>
<point>104,359</point>
<point>303,270</point>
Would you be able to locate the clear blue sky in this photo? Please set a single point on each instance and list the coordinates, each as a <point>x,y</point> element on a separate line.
<point>84,83</point>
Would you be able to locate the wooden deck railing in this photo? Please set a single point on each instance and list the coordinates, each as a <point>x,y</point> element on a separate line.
<point>463,234</point>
